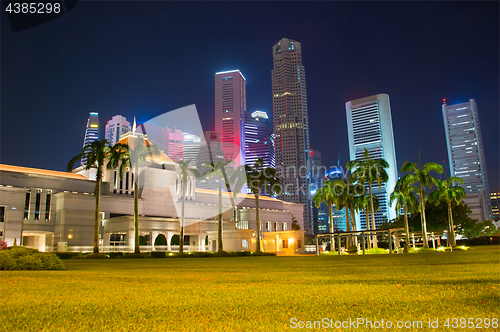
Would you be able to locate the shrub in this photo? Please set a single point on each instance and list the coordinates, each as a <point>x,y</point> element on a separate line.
<point>422,250</point>
<point>134,255</point>
<point>3,245</point>
<point>17,251</point>
<point>67,255</point>
<point>95,256</point>
<point>376,251</point>
<point>51,261</point>
<point>158,254</point>
<point>29,262</point>
<point>115,254</point>
<point>142,241</point>
<point>174,241</point>
<point>6,261</point>
<point>161,240</point>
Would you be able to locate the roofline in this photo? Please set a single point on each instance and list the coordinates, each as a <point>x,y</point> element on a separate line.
<point>39,171</point>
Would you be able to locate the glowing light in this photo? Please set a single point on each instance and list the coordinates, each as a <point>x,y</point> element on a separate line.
<point>70,236</point>
<point>94,126</point>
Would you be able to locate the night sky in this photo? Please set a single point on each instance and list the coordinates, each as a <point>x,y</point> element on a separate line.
<point>147,58</point>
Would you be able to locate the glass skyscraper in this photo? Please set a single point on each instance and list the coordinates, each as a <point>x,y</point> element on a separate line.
<point>291,125</point>
<point>91,132</point>
<point>258,139</point>
<point>466,155</point>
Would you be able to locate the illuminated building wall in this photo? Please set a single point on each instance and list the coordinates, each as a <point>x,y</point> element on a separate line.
<point>495,203</point>
<point>230,109</point>
<point>117,126</point>
<point>191,148</point>
<point>259,141</point>
<point>291,125</point>
<point>91,132</point>
<point>369,125</point>
<point>466,155</point>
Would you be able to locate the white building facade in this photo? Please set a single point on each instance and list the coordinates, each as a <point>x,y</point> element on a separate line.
<point>115,128</point>
<point>369,125</point>
<point>466,155</point>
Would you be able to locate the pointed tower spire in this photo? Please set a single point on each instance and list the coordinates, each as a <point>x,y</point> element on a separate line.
<point>134,127</point>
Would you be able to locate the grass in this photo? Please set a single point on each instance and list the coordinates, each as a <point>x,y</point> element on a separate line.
<point>252,293</point>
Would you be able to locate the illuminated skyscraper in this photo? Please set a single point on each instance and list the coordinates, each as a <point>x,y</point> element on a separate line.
<point>230,109</point>
<point>291,125</point>
<point>369,125</point>
<point>466,155</point>
<point>91,132</point>
<point>259,141</point>
<point>117,126</point>
<point>191,148</point>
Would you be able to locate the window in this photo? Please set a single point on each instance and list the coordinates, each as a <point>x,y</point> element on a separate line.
<point>242,224</point>
<point>268,226</point>
<point>244,244</point>
<point>27,206</point>
<point>285,244</point>
<point>37,204</point>
<point>117,240</point>
<point>2,213</point>
<point>47,205</point>
<point>276,226</point>
<point>283,226</point>
<point>299,244</point>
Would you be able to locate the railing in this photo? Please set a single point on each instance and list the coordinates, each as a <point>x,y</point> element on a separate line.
<point>310,248</point>
<point>173,248</point>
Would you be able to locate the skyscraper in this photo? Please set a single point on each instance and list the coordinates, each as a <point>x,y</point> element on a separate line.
<point>319,214</point>
<point>259,139</point>
<point>91,132</point>
<point>230,109</point>
<point>466,155</point>
<point>369,125</point>
<point>209,152</point>
<point>191,148</point>
<point>291,125</point>
<point>117,126</point>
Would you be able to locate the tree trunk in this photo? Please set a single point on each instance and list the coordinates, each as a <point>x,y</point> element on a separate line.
<point>347,225</point>
<point>332,230</point>
<point>219,231</point>
<point>368,227</point>
<point>451,233</point>
<point>354,240</point>
<point>422,219</point>
<point>257,221</point>
<point>97,212</point>
<point>183,202</point>
<point>407,229</point>
<point>372,211</point>
<point>137,249</point>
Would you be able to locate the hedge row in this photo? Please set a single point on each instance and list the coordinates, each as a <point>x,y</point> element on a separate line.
<point>159,254</point>
<point>22,258</point>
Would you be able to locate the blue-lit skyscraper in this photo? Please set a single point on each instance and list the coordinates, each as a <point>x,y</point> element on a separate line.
<point>91,132</point>
<point>466,155</point>
<point>259,139</point>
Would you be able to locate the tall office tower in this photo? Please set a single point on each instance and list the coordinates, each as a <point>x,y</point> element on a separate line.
<point>466,155</point>
<point>175,142</point>
<point>230,109</point>
<point>319,214</point>
<point>191,148</point>
<point>495,204</point>
<point>210,152</point>
<point>291,125</point>
<point>117,126</point>
<point>369,125</point>
<point>91,132</point>
<point>258,140</point>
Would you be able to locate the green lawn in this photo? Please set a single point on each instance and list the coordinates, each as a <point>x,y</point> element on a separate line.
<point>254,293</point>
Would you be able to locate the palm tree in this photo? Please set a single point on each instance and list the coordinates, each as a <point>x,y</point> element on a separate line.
<point>421,176</point>
<point>342,201</point>
<point>96,153</point>
<point>406,199</point>
<point>363,204</point>
<point>257,177</point>
<point>219,169</point>
<point>136,150</point>
<point>370,171</point>
<point>326,195</point>
<point>184,165</point>
<point>448,192</point>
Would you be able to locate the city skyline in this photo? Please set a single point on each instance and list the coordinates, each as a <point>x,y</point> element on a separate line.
<point>423,63</point>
